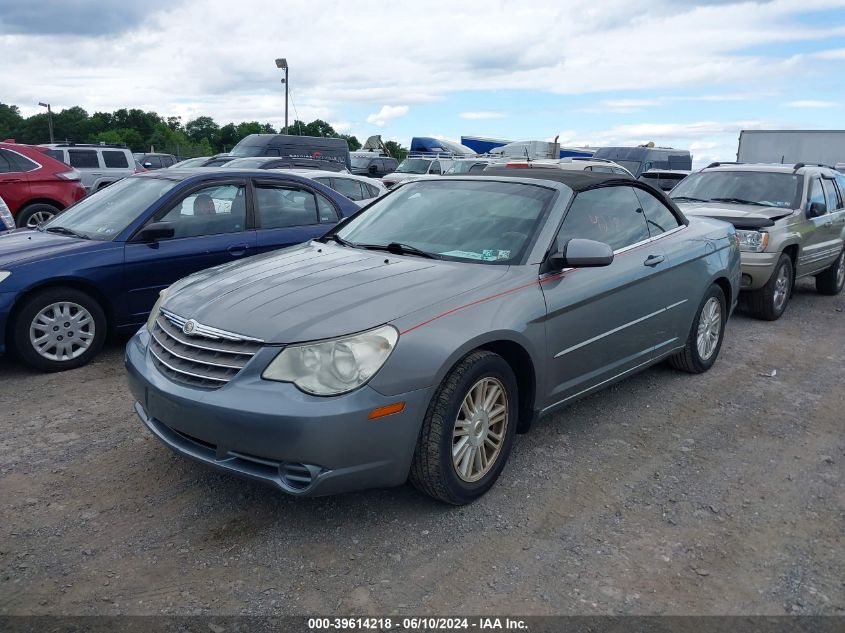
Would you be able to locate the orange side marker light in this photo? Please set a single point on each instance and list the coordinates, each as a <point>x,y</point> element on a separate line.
<point>390,409</point>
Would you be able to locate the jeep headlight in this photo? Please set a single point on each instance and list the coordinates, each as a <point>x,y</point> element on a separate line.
<point>334,366</point>
<point>754,241</point>
<point>151,320</point>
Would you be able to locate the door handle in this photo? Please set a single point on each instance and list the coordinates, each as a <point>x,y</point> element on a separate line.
<point>654,260</point>
<point>237,250</point>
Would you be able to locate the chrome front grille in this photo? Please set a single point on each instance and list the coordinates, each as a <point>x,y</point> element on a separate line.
<point>206,357</point>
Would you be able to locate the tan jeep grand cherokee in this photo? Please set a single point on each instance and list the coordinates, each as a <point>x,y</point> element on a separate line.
<point>790,220</point>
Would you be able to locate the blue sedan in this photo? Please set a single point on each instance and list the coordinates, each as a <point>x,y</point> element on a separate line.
<point>99,266</point>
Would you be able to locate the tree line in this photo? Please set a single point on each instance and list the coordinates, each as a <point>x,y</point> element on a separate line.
<point>144,131</point>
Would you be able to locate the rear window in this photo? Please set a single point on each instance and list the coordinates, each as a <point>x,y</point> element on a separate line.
<point>83,158</point>
<point>113,158</point>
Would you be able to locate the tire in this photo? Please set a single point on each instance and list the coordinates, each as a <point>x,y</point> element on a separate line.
<point>35,214</point>
<point>432,470</point>
<point>699,354</point>
<point>80,334</point>
<point>831,280</point>
<point>769,302</point>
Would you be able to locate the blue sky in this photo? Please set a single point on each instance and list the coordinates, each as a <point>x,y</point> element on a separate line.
<point>598,72</point>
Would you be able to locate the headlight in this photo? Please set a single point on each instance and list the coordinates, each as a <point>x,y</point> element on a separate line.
<point>151,320</point>
<point>334,366</point>
<point>754,241</point>
<point>4,274</point>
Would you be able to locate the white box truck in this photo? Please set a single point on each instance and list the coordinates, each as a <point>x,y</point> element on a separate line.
<point>791,146</point>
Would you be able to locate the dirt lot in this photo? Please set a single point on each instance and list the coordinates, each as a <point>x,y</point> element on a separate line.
<point>668,493</point>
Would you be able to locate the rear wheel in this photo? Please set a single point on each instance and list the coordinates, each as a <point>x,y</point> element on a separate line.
<point>35,214</point>
<point>58,329</point>
<point>468,430</point>
<point>832,280</point>
<point>706,334</point>
<point>769,302</point>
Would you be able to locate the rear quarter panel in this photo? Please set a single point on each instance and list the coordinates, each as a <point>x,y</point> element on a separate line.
<point>699,255</point>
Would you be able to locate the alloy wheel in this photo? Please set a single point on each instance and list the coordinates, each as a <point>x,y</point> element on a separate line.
<point>480,429</point>
<point>709,328</point>
<point>782,287</point>
<point>38,218</point>
<point>62,331</point>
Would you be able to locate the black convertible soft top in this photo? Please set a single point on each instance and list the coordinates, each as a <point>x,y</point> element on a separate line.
<point>577,180</point>
<point>582,181</point>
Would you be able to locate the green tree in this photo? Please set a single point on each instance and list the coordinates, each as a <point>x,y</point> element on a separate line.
<point>396,150</point>
<point>201,128</point>
<point>351,141</point>
<point>11,121</point>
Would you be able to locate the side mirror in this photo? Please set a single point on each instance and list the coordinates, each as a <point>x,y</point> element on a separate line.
<point>148,164</point>
<point>156,231</point>
<point>372,169</point>
<point>581,253</point>
<point>816,209</point>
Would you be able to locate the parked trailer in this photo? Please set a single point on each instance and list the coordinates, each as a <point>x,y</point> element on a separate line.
<point>481,144</point>
<point>791,146</point>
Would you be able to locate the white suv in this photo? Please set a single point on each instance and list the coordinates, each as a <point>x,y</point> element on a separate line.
<point>100,165</point>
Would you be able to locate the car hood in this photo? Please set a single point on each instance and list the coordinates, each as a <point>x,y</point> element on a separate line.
<point>726,211</point>
<point>26,245</point>
<point>314,291</point>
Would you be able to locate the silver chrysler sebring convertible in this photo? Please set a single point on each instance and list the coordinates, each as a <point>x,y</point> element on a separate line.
<point>418,337</point>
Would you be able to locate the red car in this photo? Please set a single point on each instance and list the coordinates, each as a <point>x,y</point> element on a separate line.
<point>34,185</point>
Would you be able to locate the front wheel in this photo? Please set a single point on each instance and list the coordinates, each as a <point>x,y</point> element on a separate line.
<point>468,430</point>
<point>769,302</point>
<point>58,329</point>
<point>706,334</point>
<point>831,280</point>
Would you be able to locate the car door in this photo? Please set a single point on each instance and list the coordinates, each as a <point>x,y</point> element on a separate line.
<point>815,247</point>
<point>601,321</point>
<point>212,226</point>
<point>675,258</point>
<point>14,184</point>
<point>832,229</point>
<point>289,213</point>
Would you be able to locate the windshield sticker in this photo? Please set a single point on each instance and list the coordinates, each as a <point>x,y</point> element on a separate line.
<point>504,255</point>
<point>485,255</point>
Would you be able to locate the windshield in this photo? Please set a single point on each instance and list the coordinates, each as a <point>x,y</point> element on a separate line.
<point>465,166</point>
<point>631,165</point>
<point>360,163</point>
<point>246,163</point>
<point>770,189</point>
<point>484,221</point>
<point>104,214</point>
<point>413,166</point>
<point>247,150</point>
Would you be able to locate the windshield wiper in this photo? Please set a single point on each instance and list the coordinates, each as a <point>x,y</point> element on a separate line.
<point>398,248</point>
<point>65,231</point>
<point>688,198</point>
<point>740,201</point>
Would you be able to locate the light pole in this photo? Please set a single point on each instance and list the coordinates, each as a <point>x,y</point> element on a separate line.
<point>49,118</point>
<point>282,63</point>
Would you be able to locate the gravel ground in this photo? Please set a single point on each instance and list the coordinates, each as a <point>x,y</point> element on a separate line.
<point>666,494</point>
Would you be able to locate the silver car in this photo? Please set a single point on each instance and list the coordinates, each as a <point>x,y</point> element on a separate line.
<point>420,336</point>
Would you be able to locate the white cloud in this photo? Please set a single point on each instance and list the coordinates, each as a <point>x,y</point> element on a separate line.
<point>387,114</point>
<point>810,103</point>
<point>482,114</point>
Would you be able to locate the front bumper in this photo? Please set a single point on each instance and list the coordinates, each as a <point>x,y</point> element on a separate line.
<point>757,269</point>
<point>272,432</point>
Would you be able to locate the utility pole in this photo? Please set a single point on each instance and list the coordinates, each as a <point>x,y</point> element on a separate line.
<point>49,118</point>
<point>282,63</point>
